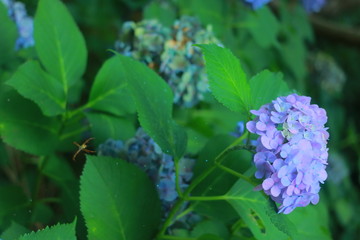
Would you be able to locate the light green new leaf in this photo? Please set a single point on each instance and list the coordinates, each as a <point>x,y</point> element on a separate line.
<point>8,35</point>
<point>226,78</point>
<point>23,126</point>
<point>257,213</point>
<point>35,84</point>
<point>118,200</point>
<point>59,43</point>
<point>57,232</point>
<point>267,86</point>
<point>109,92</point>
<point>153,99</point>
<point>104,126</point>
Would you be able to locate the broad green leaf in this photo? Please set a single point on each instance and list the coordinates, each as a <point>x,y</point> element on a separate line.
<point>118,200</point>
<point>258,214</point>
<point>57,232</point>
<point>59,43</point>
<point>153,99</point>
<point>105,126</point>
<point>226,78</point>
<point>266,87</point>
<point>8,33</point>
<point>23,126</point>
<point>214,227</point>
<point>109,92</point>
<point>14,231</point>
<point>311,222</point>
<point>264,27</point>
<point>14,205</point>
<point>35,84</point>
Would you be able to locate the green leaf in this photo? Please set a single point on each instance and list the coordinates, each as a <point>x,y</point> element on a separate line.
<point>164,13</point>
<point>258,214</point>
<point>8,33</point>
<point>118,200</point>
<point>153,99</point>
<point>311,222</point>
<point>109,92</point>
<point>57,232</point>
<point>214,227</point>
<point>13,205</point>
<point>59,43</point>
<point>267,86</point>
<point>105,126</point>
<point>35,84</point>
<point>23,126</point>
<point>264,27</point>
<point>226,78</point>
<point>14,231</point>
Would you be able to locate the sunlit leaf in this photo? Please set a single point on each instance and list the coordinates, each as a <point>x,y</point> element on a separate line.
<point>57,232</point>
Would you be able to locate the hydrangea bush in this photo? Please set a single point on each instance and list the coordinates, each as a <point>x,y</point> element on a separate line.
<point>291,150</point>
<point>172,172</point>
<point>309,5</point>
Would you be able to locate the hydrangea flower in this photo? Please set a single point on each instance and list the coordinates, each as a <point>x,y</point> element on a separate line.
<point>24,23</point>
<point>142,151</point>
<point>313,5</point>
<point>171,53</point>
<point>291,153</point>
<point>182,65</point>
<point>255,4</point>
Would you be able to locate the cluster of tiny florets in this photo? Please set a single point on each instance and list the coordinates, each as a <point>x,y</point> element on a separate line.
<point>291,153</point>
<point>24,23</point>
<point>171,53</point>
<point>142,151</point>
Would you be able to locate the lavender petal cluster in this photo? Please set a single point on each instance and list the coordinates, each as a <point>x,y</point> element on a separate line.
<point>171,53</point>
<point>291,154</point>
<point>24,23</point>
<point>142,151</point>
<point>313,5</point>
<point>256,4</point>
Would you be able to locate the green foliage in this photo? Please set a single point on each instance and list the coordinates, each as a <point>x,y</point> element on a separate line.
<point>35,84</point>
<point>214,227</point>
<point>108,88</point>
<point>59,43</point>
<point>118,200</point>
<point>265,87</point>
<point>57,232</point>
<point>8,35</point>
<point>14,231</point>
<point>257,213</point>
<point>23,126</point>
<point>227,79</point>
<point>153,99</point>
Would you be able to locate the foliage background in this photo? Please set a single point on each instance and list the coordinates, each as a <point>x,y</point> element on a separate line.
<point>280,38</point>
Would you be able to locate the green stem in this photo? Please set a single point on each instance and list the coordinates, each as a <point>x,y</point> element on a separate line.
<point>207,198</point>
<point>177,178</point>
<point>199,179</point>
<point>42,162</point>
<point>237,174</point>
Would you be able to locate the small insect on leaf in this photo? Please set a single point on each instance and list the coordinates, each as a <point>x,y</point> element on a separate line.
<point>83,147</point>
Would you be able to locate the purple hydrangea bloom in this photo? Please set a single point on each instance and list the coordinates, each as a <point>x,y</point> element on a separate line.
<point>255,4</point>
<point>24,23</point>
<point>291,151</point>
<point>313,5</point>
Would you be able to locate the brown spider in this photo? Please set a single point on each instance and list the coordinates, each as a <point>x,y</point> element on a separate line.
<point>83,147</point>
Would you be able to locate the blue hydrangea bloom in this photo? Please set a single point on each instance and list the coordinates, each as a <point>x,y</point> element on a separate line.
<point>142,151</point>
<point>313,5</point>
<point>255,4</point>
<point>24,23</point>
<point>292,150</point>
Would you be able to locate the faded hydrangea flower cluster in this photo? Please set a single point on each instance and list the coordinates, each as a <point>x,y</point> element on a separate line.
<point>145,153</point>
<point>291,151</point>
<point>171,53</point>
<point>24,23</point>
